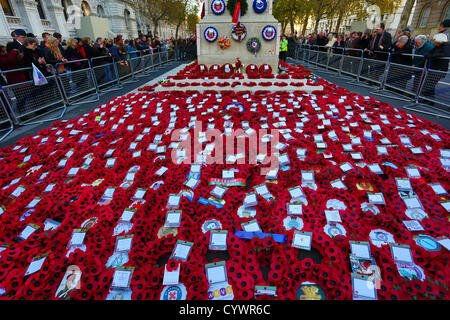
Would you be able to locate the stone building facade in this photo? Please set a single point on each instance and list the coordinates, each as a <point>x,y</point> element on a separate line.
<point>38,16</point>
<point>428,14</point>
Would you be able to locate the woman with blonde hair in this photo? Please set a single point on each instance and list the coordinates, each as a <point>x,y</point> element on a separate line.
<point>72,53</point>
<point>52,54</point>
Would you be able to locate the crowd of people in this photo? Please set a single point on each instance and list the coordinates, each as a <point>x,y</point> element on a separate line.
<point>379,43</point>
<point>72,54</point>
<point>417,51</point>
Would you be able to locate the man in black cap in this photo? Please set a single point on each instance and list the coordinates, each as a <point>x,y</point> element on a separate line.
<point>444,28</point>
<point>19,38</point>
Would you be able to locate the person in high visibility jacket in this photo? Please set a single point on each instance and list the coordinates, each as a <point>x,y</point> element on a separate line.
<point>283,48</point>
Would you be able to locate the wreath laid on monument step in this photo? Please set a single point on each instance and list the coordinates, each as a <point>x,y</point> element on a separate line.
<point>231,4</point>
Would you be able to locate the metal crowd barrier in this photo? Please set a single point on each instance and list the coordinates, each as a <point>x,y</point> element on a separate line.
<point>352,63</point>
<point>299,53</point>
<point>147,63</point>
<point>313,55</point>
<point>335,60</point>
<point>78,81</point>
<point>373,70</point>
<point>412,83</point>
<point>6,123</point>
<point>70,83</point>
<point>105,74</point>
<point>435,87</point>
<point>125,70</point>
<point>404,79</point>
<point>322,56</point>
<point>25,100</point>
<point>136,63</point>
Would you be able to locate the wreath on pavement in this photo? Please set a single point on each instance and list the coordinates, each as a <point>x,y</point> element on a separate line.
<point>231,4</point>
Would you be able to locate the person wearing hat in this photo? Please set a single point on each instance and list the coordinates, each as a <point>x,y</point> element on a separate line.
<point>444,28</point>
<point>437,59</point>
<point>19,38</point>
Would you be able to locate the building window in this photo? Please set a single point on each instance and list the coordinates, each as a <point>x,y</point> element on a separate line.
<point>100,11</point>
<point>40,10</point>
<point>424,17</point>
<point>446,13</point>
<point>86,9</point>
<point>7,9</point>
<point>127,17</point>
<point>64,5</point>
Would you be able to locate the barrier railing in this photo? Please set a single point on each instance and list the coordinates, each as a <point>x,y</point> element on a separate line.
<point>71,83</point>
<point>411,83</point>
<point>322,56</point>
<point>78,81</point>
<point>26,101</point>
<point>313,55</point>
<point>402,78</point>
<point>136,62</point>
<point>335,59</point>
<point>105,74</point>
<point>436,87</point>
<point>125,70</point>
<point>6,123</point>
<point>352,63</point>
<point>146,60</point>
<point>373,70</point>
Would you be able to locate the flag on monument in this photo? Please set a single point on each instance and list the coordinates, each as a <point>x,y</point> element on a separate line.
<point>203,10</point>
<point>237,13</point>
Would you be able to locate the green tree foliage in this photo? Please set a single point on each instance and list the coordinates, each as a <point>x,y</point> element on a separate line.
<point>303,12</point>
<point>231,5</point>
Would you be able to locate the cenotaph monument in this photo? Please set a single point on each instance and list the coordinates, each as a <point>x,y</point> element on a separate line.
<point>258,22</point>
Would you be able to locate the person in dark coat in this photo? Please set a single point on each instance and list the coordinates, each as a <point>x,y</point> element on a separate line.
<point>19,38</point>
<point>87,46</point>
<point>31,57</point>
<point>99,49</point>
<point>438,56</point>
<point>438,59</point>
<point>401,52</point>
<point>339,45</point>
<point>422,48</point>
<point>381,44</point>
<point>322,40</point>
<point>156,45</point>
<point>58,37</point>
<point>72,53</point>
<point>444,28</point>
<point>401,55</point>
<point>364,42</point>
<point>41,46</point>
<point>10,61</point>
